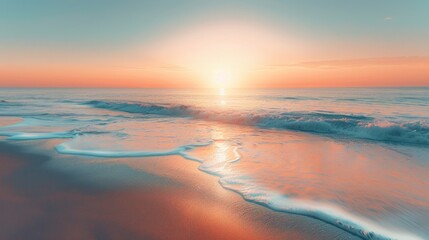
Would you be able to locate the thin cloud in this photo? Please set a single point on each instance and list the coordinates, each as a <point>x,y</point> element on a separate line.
<point>350,63</point>
<point>149,68</point>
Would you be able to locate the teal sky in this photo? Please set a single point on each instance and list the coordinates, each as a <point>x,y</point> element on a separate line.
<point>397,27</point>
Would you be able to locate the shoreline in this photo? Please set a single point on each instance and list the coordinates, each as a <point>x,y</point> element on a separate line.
<point>178,201</point>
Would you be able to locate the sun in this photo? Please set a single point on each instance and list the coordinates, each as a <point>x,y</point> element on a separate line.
<point>222,78</point>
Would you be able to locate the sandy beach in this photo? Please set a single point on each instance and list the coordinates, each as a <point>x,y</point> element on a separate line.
<point>176,201</point>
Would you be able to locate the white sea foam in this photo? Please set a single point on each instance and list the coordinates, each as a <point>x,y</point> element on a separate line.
<point>359,226</point>
<point>65,148</point>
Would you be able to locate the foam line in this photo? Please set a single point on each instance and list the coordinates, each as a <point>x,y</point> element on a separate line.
<point>66,149</point>
<point>333,215</point>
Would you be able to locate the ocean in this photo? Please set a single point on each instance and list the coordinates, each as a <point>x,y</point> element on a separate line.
<point>356,158</point>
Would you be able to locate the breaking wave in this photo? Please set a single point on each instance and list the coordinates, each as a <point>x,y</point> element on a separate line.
<point>131,107</point>
<point>332,124</point>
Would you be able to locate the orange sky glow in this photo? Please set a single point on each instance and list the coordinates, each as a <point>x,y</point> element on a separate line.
<point>217,54</point>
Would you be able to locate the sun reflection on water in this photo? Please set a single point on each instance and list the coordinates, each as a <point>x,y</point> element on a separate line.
<point>222,91</point>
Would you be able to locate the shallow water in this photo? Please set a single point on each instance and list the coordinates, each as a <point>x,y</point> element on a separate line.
<point>355,158</point>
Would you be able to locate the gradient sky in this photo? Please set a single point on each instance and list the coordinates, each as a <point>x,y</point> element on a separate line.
<point>301,43</point>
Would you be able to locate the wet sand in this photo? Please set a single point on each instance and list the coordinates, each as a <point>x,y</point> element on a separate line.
<point>173,200</point>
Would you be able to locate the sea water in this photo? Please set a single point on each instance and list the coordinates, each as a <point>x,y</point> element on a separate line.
<point>356,158</point>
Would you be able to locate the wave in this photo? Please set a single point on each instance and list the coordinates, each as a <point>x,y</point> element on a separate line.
<point>17,135</point>
<point>366,100</point>
<point>354,126</point>
<point>327,123</point>
<point>5,103</point>
<point>252,192</point>
<point>358,226</point>
<point>132,107</point>
<point>298,98</point>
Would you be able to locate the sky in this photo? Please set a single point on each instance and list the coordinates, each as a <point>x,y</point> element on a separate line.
<point>222,44</point>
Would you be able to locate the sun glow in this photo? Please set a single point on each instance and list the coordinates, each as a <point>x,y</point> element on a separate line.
<point>222,91</point>
<point>222,79</point>
<point>220,54</point>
